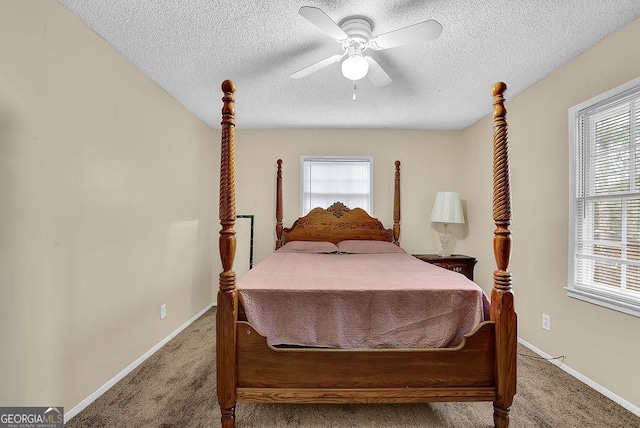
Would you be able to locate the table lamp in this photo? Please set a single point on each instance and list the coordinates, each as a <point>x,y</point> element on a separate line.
<point>447,209</point>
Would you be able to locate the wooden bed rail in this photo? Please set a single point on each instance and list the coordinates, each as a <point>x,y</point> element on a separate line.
<point>226,315</point>
<point>502,307</point>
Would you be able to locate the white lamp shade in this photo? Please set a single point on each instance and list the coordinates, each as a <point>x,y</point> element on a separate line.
<point>447,208</point>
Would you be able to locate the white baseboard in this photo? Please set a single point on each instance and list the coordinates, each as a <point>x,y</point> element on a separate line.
<point>601,389</point>
<point>91,398</point>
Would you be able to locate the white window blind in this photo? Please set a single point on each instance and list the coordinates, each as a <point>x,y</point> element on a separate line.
<point>605,208</point>
<point>325,180</point>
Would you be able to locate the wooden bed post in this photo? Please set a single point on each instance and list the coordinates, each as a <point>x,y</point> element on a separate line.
<point>502,307</point>
<point>226,316</point>
<point>279,205</point>
<point>396,206</point>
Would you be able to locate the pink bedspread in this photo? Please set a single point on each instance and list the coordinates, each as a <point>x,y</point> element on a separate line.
<point>359,301</point>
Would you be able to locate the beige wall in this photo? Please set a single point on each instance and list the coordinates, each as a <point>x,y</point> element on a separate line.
<point>107,201</point>
<point>600,343</point>
<point>428,159</point>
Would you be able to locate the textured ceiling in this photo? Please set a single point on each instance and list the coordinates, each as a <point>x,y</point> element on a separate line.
<point>190,46</point>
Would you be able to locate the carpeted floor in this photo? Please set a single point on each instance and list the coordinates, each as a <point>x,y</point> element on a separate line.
<point>176,388</point>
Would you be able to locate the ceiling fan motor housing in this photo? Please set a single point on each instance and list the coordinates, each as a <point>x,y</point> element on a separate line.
<point>358,29</point>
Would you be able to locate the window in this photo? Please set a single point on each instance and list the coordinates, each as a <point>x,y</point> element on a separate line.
<point>328,179</point>
<point>604,232</point>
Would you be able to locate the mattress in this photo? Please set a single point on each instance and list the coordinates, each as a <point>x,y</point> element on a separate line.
<point>359,299</point>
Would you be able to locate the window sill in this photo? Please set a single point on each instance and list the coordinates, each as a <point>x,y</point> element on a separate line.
<point>627,306</point>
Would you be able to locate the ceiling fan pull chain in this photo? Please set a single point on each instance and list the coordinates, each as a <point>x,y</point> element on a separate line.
<point>354,90</point>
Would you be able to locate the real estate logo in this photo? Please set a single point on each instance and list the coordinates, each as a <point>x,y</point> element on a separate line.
<point>31,417</point>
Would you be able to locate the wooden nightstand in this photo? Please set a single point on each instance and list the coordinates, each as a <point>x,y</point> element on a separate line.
<point>455,262</point>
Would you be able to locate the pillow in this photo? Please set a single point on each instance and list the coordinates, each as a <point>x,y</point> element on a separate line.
<point>368,247</point>
<point>309,247</point>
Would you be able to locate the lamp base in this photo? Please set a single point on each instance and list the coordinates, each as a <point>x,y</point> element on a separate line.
<point>444,240</point>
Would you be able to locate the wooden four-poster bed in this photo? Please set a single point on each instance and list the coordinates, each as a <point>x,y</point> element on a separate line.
<point>479,364</point>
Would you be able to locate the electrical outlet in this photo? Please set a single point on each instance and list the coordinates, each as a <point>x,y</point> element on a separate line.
<point>546,322</point>
<point>163,311</point>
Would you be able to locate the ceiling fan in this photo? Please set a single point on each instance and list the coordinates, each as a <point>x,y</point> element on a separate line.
<point>354,34</point>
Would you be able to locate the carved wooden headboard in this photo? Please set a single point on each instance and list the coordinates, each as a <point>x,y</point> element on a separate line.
<point>338,222</point>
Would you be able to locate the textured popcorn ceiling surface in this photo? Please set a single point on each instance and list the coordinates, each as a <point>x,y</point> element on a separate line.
<point>190,46</point>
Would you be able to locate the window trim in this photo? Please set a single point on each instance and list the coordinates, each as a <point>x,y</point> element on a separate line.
<point>369,159</point>
<point>618,300</point>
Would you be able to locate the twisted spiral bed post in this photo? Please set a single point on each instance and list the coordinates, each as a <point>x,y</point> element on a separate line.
<point>279,205</point>
<point>502,305</point>
<point>226,315</point>
<point>396,205</point>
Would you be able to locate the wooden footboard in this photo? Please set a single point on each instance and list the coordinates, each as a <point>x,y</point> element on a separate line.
<point>320,375</point>
<point>482,368</point>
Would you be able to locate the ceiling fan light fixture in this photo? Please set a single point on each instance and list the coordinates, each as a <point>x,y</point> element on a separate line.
<point>354,35</point>
<point>355,67</point>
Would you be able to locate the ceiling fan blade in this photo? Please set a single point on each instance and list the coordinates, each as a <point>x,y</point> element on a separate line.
<point>426,30</point>
<point>376,74</point>
<point>322,21</point>
<point>317,66</point>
